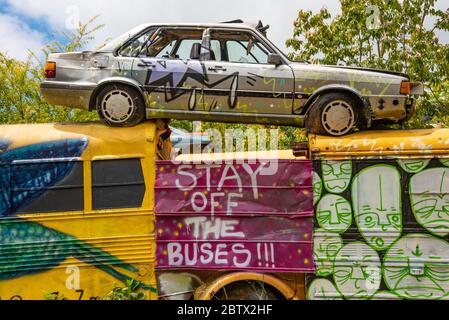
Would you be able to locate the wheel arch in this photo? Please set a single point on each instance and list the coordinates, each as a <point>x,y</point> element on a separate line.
<point>110,81</point>
<point>334,88</point>
<point>207,291</point>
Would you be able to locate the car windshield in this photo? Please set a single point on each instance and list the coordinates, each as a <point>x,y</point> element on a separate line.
<point>114,44</point>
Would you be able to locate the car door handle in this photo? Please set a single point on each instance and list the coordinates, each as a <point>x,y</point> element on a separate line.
<point>146,65</point>
<point>217,68</point>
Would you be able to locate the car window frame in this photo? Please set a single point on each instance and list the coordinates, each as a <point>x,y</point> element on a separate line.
<point>130,40</point>
<point>253,33</point>
<point>158,29</point>
<point>246,48</point>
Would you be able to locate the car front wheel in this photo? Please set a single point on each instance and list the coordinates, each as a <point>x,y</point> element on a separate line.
<point>334,114</point>
<point>120,106</point>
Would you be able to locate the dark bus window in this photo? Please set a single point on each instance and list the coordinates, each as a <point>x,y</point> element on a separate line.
<point>44,187</point>
<point>117,184</point>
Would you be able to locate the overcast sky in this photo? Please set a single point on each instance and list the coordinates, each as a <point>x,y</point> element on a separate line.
<point>28,24</point>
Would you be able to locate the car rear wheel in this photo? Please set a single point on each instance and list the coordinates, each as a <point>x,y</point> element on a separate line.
<point>120,106</point>
<point>334,114</point>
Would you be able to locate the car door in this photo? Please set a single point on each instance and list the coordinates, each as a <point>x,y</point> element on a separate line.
<point>240,79</point>
<point>170,72</point>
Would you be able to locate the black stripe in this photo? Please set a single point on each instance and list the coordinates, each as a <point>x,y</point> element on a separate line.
<point>240,93</point>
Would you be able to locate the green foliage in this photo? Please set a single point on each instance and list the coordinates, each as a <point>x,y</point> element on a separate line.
<point>20,97</point>
<point>402,37</point>
<point>54,296</point>
<point>129,292</point>
<point>286,135</point>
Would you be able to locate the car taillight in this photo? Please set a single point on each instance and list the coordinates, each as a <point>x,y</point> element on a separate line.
<point>50,70</point>
<point>405,87</point>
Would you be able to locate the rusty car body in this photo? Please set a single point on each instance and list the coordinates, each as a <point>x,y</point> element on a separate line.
<point>226,72</point>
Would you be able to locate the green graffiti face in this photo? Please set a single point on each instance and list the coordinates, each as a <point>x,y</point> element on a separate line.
<point>334,213</point>
<point>357,271</point>
<point>429,197</point>
<point>413,165</point>
<point>336,175</point>
<point>416,267</point>
<point>376,199</point>
<point>322,289</point>
<point>325,247</point>
<point>385,295</point>
<point>317,188</point>
<point>444,162</point>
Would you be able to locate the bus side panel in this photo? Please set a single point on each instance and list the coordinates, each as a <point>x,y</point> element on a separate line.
<point>51,244</point>
<point>381,229</point>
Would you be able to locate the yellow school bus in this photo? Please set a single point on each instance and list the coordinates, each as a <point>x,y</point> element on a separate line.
<point>76,214</point>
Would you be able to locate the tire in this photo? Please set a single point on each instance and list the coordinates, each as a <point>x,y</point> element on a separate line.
<point>334,114</point>
<point>249,290</point>
<point>120,106</point>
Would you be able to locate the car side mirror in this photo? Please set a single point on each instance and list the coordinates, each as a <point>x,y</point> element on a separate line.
<point>274,58</point>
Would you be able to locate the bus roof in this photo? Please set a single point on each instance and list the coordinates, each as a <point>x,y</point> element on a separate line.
<point>424,143</point>
<point>102,142</point>
<point>263,155</point>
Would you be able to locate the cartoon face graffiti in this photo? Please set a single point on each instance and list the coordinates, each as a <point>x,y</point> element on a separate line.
<point>325,247</point>
<point>416,267</point>
<point>334,213</point>
<point>336,175</point>
<point>413,165</point>
<point>357,271</point>
<point>317,188</point>
<point>429,198</point>
<point>322,289</point>
<point>376,199</point>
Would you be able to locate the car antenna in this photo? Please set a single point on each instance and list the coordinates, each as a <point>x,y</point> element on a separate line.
<point>262,29</point>
<point>233,21</point>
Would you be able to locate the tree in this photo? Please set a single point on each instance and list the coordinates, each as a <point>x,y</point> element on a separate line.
<point>393,34</point>
<point>20,97</point>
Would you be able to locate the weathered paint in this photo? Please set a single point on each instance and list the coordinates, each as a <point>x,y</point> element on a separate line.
<point>83,252</point>
<point>382,231</point>
<point>231,216</point>
<point>425,143</point>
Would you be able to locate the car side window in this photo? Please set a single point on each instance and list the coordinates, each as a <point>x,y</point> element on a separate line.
<point>172,44</point>
<point>246,52</point>
<point>166,51</point>
<point>240,47</point>
<point>133,48</point>
<point>185,47</point>
<point>216,49</point>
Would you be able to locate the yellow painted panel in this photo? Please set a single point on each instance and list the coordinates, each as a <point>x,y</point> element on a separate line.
<point>71,282</point>
<point>406,143</point>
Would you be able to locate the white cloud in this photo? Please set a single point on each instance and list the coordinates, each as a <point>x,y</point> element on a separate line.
<point>16,38</point>
<point>120,16</point>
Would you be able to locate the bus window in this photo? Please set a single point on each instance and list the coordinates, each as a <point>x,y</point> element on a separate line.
<point>49,186</point>
<point>117,184</point>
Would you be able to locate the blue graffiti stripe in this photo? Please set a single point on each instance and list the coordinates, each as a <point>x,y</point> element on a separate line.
<point>21,184</point>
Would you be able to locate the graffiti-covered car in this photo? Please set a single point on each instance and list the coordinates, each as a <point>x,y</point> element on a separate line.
<point>227,72</point>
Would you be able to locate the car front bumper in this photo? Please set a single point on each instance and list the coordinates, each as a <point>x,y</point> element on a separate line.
<point>68,94</point>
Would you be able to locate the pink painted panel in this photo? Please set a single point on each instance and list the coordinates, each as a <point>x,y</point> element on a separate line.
<point>234,216</point>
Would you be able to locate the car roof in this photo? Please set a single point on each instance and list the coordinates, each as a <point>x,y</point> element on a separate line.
<point>230,25</point>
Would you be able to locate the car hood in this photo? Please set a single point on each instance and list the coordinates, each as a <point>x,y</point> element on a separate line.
<point>299,67</point>
<point>394,73</point>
